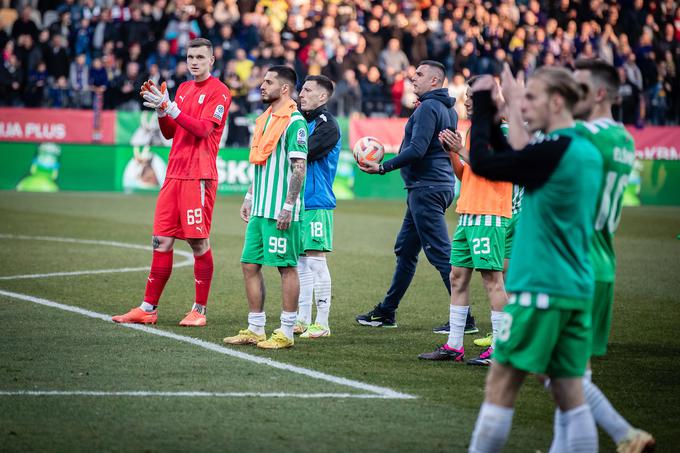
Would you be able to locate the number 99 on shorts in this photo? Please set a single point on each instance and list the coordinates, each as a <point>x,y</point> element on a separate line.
<point>277,245</point>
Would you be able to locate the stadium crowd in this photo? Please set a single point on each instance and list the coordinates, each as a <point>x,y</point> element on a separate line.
<point>62,53</point>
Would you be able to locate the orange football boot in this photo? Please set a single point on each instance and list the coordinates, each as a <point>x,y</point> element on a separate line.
<point>193,319</point>
<point>137,316</point>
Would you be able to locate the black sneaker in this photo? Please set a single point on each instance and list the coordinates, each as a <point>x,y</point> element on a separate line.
<point>443,329</point>
<point>470,325</point>
<point>444,352</point>
<point>377,318</point>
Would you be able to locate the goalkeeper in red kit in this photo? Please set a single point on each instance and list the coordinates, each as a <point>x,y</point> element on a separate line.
<point>195,121</point>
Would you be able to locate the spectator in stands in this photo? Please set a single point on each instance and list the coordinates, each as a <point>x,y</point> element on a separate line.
<point>392,60</point>
<point>35,87</point>
<point>347,97</point>
<point>57,59</point>
<point>28,54</point>
<point>373,94</point>
<point>332,38</point>
<point>242,65</point>
<point>227,42</point>
<point>137,29</point>
<point>99,79</point>
<point>79,82</point>
<point>62,27</point>
<point>59,93</point>
<point>82,38</point>
<point>127,86</point>
<point>180,30</point>
<point>163,59</point>
<point>11,76</point>
<point>25,24</point>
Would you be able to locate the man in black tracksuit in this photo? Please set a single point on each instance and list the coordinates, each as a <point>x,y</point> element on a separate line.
<point>428,176</point>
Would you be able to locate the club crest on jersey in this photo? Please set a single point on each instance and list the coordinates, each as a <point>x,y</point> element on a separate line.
<point>302,137</point>
<point>219,112</point>
<point>201,98</point>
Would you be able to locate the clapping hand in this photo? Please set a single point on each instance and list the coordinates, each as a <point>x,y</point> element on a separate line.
<point>451,141</point>
<point>158,99</point>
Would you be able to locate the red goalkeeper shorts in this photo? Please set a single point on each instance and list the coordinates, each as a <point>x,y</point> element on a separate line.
<point>184,208</point>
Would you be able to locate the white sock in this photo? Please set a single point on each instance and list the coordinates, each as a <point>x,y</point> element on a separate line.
<point>581,432</point>
<point>559,442</point>
<point>288,322</point>
<point>306,290</point>
<point>496,321</point>
<point>457,317</point>
<point>256,322</point>
<point>322,289</point>
<point>491,429</point>
<point>147,307</point>
<point>604,413</point>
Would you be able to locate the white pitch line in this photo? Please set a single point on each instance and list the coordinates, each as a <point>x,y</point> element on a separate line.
<point>189,258</point>
<point>189,394</point>
<point>382,391</point>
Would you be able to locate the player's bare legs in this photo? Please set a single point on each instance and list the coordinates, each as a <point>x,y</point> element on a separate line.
<point>199,246</point>
<point>162,243</point>
<point>255,291</point>
<point>290,288</point>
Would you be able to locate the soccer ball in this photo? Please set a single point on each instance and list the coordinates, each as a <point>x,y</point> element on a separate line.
<point>368,149</point>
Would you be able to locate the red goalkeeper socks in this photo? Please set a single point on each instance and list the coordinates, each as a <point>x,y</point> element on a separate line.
<point>203,273</point>
<point>161,268</point>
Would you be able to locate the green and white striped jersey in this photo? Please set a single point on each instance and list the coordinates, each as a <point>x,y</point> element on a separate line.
<point>270,181</point>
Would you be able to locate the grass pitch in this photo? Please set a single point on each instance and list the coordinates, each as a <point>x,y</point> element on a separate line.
<point>47,349</point>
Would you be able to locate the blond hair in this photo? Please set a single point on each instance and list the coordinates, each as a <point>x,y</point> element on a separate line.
<point>560,81</point>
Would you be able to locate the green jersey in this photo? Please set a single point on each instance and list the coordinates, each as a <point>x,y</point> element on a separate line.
<point>616,145</point>
<point>270,182</point>
<point>556,226</point>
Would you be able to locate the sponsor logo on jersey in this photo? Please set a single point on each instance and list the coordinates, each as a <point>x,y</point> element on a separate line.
<point>302,137</point>
<point>181,98</point>
<point>219,112</point>
<point>201,98</point>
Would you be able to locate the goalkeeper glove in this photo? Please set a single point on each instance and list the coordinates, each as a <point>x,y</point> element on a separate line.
<point>159,100</point>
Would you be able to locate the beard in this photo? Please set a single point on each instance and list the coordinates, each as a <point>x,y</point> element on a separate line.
<point>271,98</point>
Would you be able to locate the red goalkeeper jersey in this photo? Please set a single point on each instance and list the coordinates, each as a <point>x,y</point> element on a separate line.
<point>192,156</point>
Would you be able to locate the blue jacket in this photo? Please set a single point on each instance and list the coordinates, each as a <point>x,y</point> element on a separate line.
<point>422,159</point>
<point>323,152</point>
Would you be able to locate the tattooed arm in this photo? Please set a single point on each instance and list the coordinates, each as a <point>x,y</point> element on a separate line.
<point>297,178</point>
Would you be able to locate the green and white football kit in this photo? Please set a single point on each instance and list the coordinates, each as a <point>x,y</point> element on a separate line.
<point>550,271</point>
<point>616,145</point>
<point>264,243</point>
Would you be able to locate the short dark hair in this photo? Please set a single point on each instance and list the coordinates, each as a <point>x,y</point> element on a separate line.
<point>472,80</point>
<point>436,65</point>
<point>604,72</point>
<point>323,81</point>
<point>286,73</point>
<point>200,42</point>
